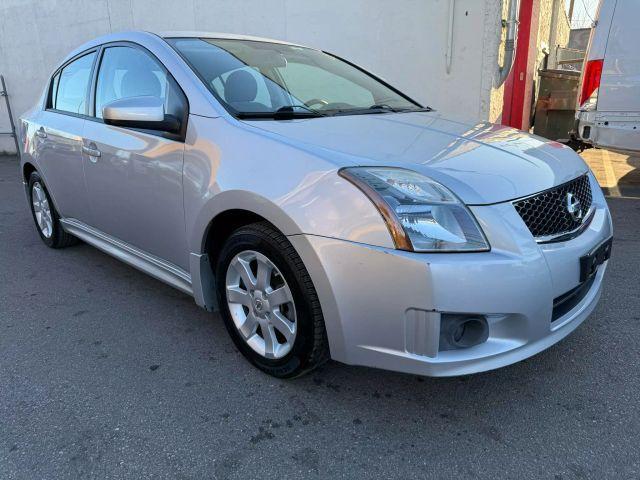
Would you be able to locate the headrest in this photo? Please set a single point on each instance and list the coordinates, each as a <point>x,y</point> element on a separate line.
<point>140,82</point>
<point>240,86</point>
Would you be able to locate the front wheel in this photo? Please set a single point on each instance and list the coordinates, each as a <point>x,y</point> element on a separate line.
<point>45,215</point>
<point>268,302</point>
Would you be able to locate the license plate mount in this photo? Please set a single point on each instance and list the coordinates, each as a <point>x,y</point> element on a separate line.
<point>589,263</point>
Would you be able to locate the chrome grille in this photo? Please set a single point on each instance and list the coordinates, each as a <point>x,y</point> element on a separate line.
<point>546,213</point>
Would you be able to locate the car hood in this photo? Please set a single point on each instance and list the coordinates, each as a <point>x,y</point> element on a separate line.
<point>482,164</point>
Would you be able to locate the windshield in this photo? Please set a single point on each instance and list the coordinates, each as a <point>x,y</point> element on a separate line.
<point>265,80</point>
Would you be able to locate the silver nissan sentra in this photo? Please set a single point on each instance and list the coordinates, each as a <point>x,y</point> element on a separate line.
<point>323,212</point>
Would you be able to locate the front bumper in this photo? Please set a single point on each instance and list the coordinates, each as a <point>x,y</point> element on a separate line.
<point>382,307</point>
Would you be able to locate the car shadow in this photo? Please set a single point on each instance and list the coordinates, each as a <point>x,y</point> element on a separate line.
<point>629,183</point>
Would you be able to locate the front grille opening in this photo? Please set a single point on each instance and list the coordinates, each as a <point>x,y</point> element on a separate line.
<point>546,214</point>
<point>567,301</point>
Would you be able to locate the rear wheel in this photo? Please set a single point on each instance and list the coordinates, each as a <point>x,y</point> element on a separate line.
<point>45,215</point>
<point>268,302</point>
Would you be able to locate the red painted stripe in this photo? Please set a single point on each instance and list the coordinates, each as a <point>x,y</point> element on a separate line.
<point>516,85</point>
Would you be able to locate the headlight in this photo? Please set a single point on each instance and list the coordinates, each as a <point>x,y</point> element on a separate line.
<point>421,214</point>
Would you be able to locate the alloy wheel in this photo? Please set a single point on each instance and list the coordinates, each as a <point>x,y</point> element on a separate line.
<point>261,304</point>
<point>42,210</point>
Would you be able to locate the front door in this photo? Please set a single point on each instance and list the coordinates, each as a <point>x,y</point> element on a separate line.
<point>134,177</point>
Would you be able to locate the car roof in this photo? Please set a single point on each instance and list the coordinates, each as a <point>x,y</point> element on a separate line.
<point>225,36</point>
<point>142,36</point>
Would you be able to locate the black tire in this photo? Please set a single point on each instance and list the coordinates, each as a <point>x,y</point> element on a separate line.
<point>58,238</point>
<point>310,348</point>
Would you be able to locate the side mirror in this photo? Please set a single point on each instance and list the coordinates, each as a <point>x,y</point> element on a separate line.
<point>144,112</point>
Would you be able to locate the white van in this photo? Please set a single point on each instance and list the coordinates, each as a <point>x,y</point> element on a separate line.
<point>608,111</point>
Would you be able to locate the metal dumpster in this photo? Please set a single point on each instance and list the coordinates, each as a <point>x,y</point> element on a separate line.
<point>556,105</point>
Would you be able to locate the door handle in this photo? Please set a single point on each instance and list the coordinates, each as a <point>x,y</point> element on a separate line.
<point>41,133</point>
<point>92,152</point>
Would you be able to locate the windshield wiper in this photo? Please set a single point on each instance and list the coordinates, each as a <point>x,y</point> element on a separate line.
<point>383,106</point>
<point>373,109</point>
<point>419,109</point>
<point>288,112</point>
<point>379,108</point>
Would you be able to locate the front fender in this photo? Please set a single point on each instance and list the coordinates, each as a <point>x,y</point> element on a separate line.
<point>229,166</point>
<point>238,200</point>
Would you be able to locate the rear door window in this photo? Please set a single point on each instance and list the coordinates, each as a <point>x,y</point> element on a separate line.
<point>70,86</point>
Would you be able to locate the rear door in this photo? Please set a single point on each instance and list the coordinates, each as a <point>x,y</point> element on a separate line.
<point>59,136</point>
<point>135,184</point>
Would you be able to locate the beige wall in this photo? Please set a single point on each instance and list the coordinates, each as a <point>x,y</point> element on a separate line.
<point>496,95</point>
<point>553,30</point>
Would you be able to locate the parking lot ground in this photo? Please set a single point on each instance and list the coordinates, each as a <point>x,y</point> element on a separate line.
<point>108,373</point>
<point>617,173</point>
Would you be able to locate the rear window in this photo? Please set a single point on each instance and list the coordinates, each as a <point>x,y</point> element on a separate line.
<point>69,86</point>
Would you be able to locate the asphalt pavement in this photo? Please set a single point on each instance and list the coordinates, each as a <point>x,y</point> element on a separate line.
<point>108,373</point>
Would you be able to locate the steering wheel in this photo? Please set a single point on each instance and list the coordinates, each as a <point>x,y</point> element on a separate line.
<point>316,101</point>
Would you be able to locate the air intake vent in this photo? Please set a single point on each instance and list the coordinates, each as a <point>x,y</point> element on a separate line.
<point>557,211</point>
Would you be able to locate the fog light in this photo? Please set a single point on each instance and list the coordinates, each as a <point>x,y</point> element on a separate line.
<point>462,331</point>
